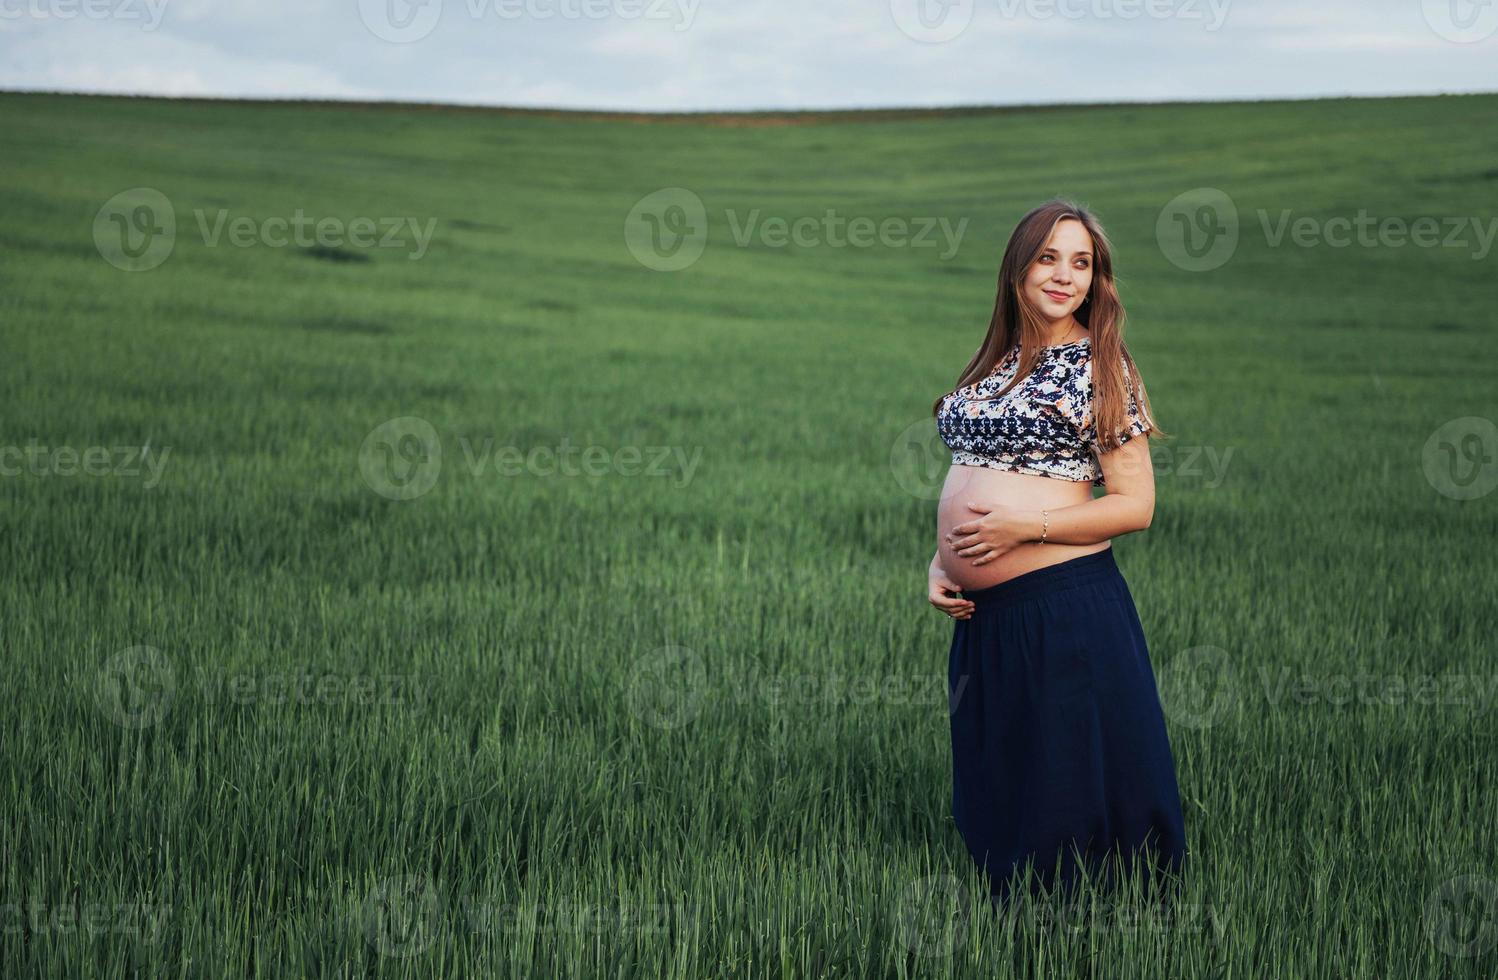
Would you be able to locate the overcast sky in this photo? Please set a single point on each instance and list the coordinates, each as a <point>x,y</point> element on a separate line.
<point>750,54</point>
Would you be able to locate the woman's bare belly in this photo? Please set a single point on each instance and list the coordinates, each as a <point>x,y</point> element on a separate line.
<point>989,486</point>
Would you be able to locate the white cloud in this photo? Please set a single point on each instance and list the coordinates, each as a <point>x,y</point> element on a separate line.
<point>739,54</point>
<point>160,64</point>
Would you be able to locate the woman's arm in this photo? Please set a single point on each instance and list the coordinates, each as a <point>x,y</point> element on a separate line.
<point>942,592</point>
<point>1129,505</point>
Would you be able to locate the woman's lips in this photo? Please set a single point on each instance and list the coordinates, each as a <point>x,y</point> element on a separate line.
<point>1058,297</point>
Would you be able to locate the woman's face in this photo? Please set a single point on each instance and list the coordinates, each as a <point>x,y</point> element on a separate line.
<point>1059,279</point>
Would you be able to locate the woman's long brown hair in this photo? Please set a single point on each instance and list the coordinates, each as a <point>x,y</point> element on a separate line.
<point>1017,320</point>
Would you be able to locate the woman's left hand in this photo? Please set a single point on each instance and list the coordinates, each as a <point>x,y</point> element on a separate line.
<point>985,538</point>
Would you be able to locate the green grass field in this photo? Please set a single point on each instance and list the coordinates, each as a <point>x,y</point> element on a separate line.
<point>295,690</point>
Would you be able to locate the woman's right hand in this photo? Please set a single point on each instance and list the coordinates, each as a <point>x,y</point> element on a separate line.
<point>942,592</point>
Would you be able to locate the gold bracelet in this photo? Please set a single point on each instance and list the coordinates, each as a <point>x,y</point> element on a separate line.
<point>1046,527</point>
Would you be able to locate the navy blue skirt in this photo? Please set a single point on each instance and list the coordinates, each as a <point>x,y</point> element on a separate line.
<point>1060,760</point>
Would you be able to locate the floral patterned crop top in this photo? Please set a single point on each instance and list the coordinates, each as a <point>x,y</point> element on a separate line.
<point>1044,426</point>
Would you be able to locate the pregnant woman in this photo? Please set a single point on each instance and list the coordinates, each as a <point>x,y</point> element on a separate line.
<point>1061,762</point>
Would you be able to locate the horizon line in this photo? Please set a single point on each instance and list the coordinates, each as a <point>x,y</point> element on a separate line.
<point>974,108</point>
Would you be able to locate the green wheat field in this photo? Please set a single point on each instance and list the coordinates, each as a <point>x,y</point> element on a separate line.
<point>479,543</point>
